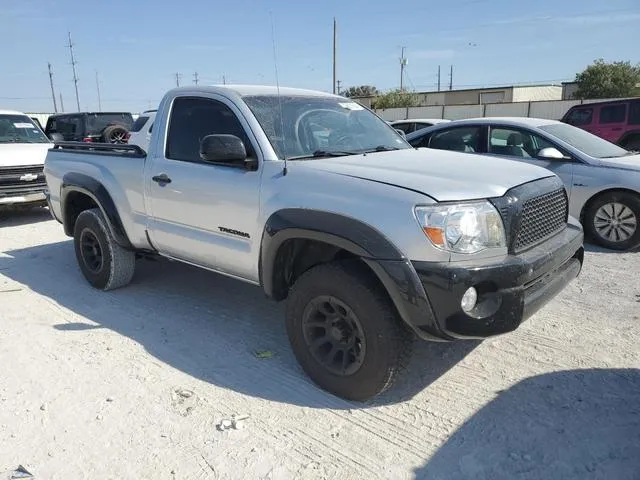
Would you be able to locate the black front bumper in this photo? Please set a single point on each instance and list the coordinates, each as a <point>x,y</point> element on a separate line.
<point>510,289</point>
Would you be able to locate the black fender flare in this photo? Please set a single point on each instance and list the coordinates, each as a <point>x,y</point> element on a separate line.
<point>89,186</point>
<point>389,265</point>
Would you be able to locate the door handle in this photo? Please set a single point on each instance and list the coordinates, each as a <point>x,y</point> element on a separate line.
<point>161,179</point>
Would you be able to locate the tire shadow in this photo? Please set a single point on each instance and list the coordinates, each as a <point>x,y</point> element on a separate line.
<point>570,425</point>
<point>206,325</point>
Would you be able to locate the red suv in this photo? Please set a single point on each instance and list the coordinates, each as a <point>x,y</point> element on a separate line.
<point>617,121</point>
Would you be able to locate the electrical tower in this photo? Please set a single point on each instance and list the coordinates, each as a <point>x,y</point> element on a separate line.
<point>451,78</point>
<point>53,93</point>
<point>403,64</point>
<point>195,78</point>
<point>178,75</point>
<point>73,66</point>
<point>338,82</point>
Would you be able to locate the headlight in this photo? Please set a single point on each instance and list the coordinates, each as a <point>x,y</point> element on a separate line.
<point>462,227</point>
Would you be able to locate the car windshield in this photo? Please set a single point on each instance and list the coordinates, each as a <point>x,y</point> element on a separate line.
<point>20,129</point>
<point>96,122</point>
<point>584,141</point>
<point>319,126</point>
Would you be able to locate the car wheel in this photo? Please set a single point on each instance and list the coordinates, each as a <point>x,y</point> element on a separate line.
<point>104,263</point>
<point>345,332</point>
<point>613,220</point>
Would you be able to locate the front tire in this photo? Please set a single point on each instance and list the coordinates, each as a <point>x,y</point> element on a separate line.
<point>613,220</point>
<point>104,263</point>
<point>345,332</point>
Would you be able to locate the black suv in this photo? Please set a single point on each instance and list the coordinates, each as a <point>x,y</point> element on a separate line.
<point>102,127</point>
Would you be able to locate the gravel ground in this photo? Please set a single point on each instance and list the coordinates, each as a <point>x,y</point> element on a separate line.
<point>131,384</point>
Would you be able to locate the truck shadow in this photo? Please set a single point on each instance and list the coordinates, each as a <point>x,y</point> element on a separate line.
<point>209,326</point>
<point>14,217</point>
<point>573,425</point>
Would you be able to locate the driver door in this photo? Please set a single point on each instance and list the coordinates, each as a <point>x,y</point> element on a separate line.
<point>523,145</point>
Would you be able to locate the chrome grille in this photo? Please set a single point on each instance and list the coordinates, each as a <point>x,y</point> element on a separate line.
<point>541,217</point>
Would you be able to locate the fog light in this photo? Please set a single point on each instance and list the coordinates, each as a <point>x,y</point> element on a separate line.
<point>469,299</point>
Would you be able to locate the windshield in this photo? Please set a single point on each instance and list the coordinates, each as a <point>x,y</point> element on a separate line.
<point>584,141</point>
<point>313,126</point>
<point>96,122</point>
<point>20,129</point>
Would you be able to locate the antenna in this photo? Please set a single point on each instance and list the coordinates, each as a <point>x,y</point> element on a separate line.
<point>98,89</point>
<point>275,64</point>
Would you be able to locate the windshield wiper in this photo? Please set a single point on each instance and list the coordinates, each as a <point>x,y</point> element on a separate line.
<point>325,154</point>
<point>381,148</point>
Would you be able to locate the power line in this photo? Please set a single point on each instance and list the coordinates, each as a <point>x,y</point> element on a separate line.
<point>53,93</point>
<point>73,66</point>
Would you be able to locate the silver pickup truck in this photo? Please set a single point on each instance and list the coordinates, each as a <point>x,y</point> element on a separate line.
<point>316,200</point>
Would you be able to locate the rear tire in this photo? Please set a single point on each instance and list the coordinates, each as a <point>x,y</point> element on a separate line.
<point>613,220</point>
<point>345,332</point>
<point>114,134</point>
<point>104,263</point>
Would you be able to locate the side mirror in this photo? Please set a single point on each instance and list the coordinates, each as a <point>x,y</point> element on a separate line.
<point>56,137</point>
<point>401,132</point>
<point>226,149</point>
<point>551,153</point>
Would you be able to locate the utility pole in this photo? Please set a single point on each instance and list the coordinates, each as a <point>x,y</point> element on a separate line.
<point>53,94</point>
<point>61,103</point>
<point>335,40</point>
<point>403,64</point>
<point>338,82</point>
<point>224,79</point>
<point>438,77</point>
<point>98,89</point>
<point>178,79</point>
<point>73,66</point>
<point>451,78</point>
<point>195,78</point>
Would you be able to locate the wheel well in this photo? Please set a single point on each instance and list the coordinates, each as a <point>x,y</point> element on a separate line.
<point>75,204</point>
<point>298,255</point>
<point>589,202</point>
<point>629,137</point>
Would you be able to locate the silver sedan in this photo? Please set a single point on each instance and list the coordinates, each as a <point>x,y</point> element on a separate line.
<point>602,180</point>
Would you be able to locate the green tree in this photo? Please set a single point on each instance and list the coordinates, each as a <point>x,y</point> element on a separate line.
<point>395,99</point>
<point>608,80</point>
<point>360,91</point>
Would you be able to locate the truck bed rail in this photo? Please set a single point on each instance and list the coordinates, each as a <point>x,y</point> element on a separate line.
<point>122,150</point>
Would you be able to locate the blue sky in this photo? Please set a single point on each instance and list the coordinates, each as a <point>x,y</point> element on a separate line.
<point>137,46</point>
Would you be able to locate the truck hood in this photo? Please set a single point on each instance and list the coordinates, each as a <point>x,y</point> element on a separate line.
<point>439,174</point>
<point>630,162</point>
<point>19,154</point>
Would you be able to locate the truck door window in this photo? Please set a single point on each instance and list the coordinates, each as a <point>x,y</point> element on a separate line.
<point>192,119</point>
<point>613,113</point>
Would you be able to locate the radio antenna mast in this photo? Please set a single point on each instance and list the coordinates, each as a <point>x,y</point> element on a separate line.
<point>275,64</point>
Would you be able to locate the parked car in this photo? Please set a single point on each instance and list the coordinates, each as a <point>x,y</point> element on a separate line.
<point>23,148</point>
<point>90,127</point>
<point>602,179</point>
<point>617,121</point>
<point>411,125</point>
<point>140,132</point>
<point>316,200</point>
